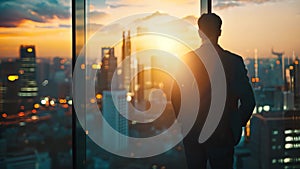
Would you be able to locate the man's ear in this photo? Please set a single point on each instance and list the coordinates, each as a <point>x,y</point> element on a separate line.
<point>220,32</point>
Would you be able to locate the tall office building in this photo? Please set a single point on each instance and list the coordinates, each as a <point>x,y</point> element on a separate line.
<point>297,83</point>
<point>28,89</point>
<point>292,79</point>
<point>10,87</point>
<point>126,63</point>
<point>275,139</point>
<point>108,68</point>
<point>114,110</point>
<point>29,159</point>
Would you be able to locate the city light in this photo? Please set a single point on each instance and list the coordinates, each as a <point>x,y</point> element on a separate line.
<point>12,78</point>
<point>36,106</point>
<point>4,115</point>
<point>21,114</point>
<point>289,138</point>
<point>45,82</point>
<point>52,103</point>
<point>277,62</point>
<point>92,100</point>
<point>82,66</point>
<point>29,50</point>
<point>128,98</point>
<point>99,96</point>
<point>260,108</point>
<point>43,102</point>
<point>70,102</point>
<point>34,117</point>
<point>96,66</point>
<point>287,160</point>
<point>62,101</point>
<point>267,108</point>
<point>22,123</point>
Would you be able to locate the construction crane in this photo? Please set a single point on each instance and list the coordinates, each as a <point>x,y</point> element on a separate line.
<point>278,54</point>
<point>281,59</point>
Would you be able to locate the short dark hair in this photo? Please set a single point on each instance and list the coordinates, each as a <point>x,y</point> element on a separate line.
<point>210,24</point>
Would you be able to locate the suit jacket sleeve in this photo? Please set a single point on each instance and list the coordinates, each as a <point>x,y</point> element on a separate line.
<point>244,93</point>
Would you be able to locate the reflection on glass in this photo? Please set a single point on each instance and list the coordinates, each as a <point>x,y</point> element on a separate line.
<point>146,33</point>
<point>126,44</point>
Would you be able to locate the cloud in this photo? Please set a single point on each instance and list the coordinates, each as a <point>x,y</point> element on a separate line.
<point>14,12</point>
<point>116,5</point>
<point>96,15</point>
<point>65,26</point>
<point>191,19</point>
<point>223,4</point>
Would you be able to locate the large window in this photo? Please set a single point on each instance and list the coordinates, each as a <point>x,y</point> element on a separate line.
<point>125,43</point>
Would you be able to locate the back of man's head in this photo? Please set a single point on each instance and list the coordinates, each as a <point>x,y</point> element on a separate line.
<point>210,24</point>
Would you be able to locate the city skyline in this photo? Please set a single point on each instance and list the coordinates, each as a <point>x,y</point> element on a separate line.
<point>241,33</point>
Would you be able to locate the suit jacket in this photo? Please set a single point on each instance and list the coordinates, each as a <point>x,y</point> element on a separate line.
<point>239,104</point>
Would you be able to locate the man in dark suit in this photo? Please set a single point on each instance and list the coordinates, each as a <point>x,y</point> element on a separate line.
<point>218,149</point>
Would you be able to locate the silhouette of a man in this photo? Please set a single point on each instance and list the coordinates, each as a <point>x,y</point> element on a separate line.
<point>218,150</point>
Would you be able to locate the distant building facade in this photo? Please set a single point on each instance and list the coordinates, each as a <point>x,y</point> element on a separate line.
<point>28,85</point>
<point>28,159</point>
<point>115,111</point>
<point>275,139</point>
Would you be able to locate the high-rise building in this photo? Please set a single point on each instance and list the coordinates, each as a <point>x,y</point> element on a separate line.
<point>115,112</point>
<point>108,68</point>
<point>29,159</point>
<point>275,139</point>
<point>28,89</point>
<point>297,83</point>
<point>126,61</point>
<point>292,80</point>
<point>10,79</point>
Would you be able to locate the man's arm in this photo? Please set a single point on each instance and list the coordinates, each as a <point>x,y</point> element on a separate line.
<point>244,93</point>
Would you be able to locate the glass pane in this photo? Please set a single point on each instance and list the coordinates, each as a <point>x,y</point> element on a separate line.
<point>127,43</point>
<point>265,34</point>
<point>35,85</point>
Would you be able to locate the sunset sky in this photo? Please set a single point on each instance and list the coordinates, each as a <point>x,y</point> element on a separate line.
<point>247,24</point>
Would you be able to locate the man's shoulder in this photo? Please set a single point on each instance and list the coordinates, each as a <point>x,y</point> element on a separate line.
<point>232,56</point>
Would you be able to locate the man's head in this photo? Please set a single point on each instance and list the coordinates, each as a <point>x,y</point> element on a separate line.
<point>210,24</point>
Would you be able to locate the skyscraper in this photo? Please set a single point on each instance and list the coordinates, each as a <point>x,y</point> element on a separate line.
<point>10,79</point>
<point>297,83</point>
<point>126,65</point>
<point>115,109</point>
<point>108,68</point>
<point>293,82</point>
<point>28,89</point>
<point>274,139</point>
